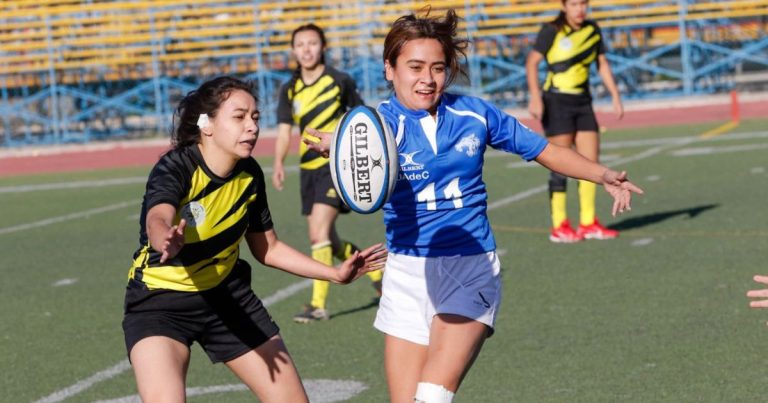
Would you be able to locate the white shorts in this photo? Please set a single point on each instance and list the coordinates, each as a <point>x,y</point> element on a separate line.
<point>415,289</point>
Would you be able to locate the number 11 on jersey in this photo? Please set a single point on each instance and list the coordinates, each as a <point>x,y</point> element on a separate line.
<point>452,191</point>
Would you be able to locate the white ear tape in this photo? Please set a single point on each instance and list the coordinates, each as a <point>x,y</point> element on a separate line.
<point>202,121</point>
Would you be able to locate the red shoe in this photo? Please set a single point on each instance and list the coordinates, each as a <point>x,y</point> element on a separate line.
<point>565,234</point>
<point>596,231</point>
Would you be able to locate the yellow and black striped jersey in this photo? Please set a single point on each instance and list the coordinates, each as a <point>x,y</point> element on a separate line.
<point>218,212</point>
<point>318,105</point>
<point>569,53</point>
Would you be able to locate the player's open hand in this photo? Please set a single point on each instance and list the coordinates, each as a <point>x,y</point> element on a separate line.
<point>621,189</point>
<point>278,176</point>
<point>618,108</point>
<point>372,258</point>
<point>761,293</point>
<point>317,141</point>
<point>174,241</point>
<point>536,107</point>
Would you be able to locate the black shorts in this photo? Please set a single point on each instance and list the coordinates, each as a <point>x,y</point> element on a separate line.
<point>317,187</point>
<point>227,320</point>
<point>568,114</point>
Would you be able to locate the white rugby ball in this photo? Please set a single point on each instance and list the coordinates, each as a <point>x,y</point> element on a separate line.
<point>363,159</point>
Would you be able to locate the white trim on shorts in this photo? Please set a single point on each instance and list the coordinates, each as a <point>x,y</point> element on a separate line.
<point>415,289</point>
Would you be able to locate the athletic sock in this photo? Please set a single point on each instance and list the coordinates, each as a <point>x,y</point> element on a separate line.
<point>323,253</point>
<point>557,201</point>
<point>375,275</point>
<point>587,192</point>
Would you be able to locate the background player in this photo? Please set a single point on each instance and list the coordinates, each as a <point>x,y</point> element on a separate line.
<point>316,96</point>
<point>569,44</point>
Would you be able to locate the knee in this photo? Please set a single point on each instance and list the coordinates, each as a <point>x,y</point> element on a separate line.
<point>431,393</point>
<point>318,234</point>
<point>557,182</point>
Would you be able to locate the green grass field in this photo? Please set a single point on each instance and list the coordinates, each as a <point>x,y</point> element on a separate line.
<point>658,315</point>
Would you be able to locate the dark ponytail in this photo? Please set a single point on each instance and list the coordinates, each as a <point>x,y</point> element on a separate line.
<point>560,20</point>
<point>205,100</point>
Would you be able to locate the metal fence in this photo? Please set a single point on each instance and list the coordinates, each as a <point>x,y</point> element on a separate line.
<point>77,71</point>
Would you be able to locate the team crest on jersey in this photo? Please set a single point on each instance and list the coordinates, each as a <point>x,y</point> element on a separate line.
<point>296,107</point>
<point>566,43</point>
<point>193,213</point>
<point>469,145</point>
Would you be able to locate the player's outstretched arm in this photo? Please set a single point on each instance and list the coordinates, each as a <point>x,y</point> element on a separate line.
<point>271,251</point>
<point>570,163</point>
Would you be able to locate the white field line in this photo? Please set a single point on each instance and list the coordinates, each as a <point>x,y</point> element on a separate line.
<point>543,188</point>
<point>668,142</point>
<point>693,151</point>
<point>97,183</point>
<point>67,217</point>
<point>296,287</point>
<point>86,383</point>
<point>607,145</point>
<point>319,391</point>
<point>73,185</point>
<point>124,365</point>
<point>489,154</point>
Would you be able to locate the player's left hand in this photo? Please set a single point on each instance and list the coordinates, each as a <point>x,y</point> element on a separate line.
<point>370,259</point>
<point>173,242</point>
<point>318,141</point>
<point>621,189</point>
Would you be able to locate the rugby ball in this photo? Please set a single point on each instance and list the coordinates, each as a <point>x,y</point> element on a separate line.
<point>363,159</point>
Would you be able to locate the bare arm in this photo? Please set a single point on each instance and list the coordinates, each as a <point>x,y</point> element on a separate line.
<point>271,251</point>
<point>535,106</point>
<point>606,74</point>
<point>570,163</point>
<point>165,237</point>
<point>282,144</point>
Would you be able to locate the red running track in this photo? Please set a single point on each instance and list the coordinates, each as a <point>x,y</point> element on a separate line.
<point>115,155</point>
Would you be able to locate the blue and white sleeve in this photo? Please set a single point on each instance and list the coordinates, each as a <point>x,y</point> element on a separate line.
<point>507,134</point>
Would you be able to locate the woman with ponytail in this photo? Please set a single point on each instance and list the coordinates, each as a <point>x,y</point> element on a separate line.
<point>188,282</point>
<point>315,98</point>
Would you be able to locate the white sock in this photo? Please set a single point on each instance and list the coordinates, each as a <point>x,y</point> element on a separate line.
<point>431,393</point>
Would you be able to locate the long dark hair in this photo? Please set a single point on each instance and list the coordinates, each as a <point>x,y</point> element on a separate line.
<point>560,21</point>
<point>205,100</point>
<point>443,29</point>
<point>320,33</point>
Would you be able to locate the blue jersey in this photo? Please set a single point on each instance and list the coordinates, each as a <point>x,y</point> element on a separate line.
<point>439,205</point>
